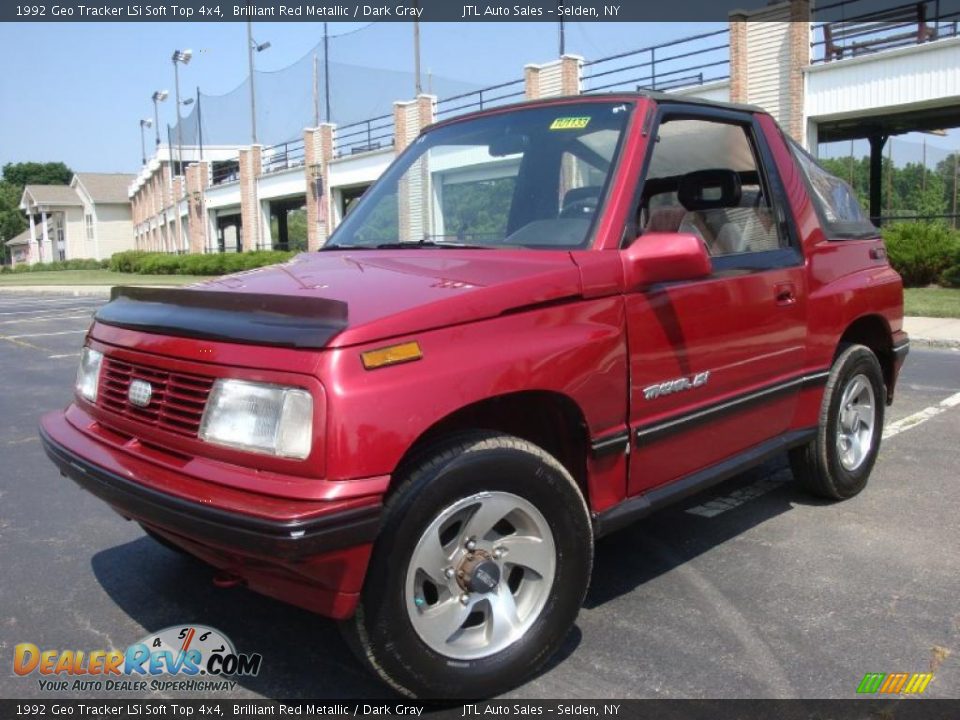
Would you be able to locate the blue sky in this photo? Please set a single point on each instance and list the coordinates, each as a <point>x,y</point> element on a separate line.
<point>76,91</point>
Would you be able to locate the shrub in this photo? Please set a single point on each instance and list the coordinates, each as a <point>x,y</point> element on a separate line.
<point>921,252</point>
<point>951,276</point>
<point>146,263</point>
<point>129,260</point>
<point>75,264</point>
<point>158,264</point>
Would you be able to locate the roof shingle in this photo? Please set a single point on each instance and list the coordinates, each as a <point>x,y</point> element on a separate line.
<point>52,194</point>
<point>21,239</point>
<point>106,187</point>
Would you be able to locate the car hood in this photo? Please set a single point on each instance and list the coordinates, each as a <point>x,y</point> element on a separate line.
<point>370,295</point>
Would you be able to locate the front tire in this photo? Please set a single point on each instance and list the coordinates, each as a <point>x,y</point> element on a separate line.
<point>479,571</point>
<point>837,464</point>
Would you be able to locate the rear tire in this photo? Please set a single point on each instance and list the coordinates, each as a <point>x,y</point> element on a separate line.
<point>479,571</point>
<point>837,464</point>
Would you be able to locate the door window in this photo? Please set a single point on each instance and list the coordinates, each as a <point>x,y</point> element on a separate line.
<point>704,178</point>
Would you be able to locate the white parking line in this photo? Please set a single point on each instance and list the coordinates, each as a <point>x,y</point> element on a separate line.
<point>918,418</point>
<point>7,302</point>
<point>33,335</point>
<point>45,319</point>
<point>740,496</point>
<point>719,505</point>
<point>63,355</point>
<point>45,310</point>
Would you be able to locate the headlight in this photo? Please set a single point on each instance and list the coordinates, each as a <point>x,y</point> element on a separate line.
<point>262,418</point>
<point>88,374</point>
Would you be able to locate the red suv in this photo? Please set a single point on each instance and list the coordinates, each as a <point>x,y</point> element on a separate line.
<point>543,322</point>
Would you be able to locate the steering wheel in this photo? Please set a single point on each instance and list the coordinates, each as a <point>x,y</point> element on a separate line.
<point>580,209</point>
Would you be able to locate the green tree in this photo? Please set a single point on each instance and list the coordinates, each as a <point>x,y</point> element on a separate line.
<point>33,173</point>
<point>12,222</point>
<point>949,170</point>
<point>15,177</point>
<point>296,230</point>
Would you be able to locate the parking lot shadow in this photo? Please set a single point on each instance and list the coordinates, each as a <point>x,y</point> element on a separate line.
<point>655,545</point>
<point>304,655</point>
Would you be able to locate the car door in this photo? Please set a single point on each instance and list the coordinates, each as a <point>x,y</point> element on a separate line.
<point>715,362</point>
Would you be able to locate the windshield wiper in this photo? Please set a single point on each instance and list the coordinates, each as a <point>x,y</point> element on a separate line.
<point>431,244</point>
<point>405,245</point>
<point>337,246</point>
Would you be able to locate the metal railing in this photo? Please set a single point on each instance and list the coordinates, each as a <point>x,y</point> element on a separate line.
<point>364,136</point>
<point>693,60</point>
<point>487,97</point>
<point>872,31</point>
<point>282,156</point>
<point>225,172</point>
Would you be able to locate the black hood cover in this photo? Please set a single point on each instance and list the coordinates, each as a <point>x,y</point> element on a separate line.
<point>255,318</point>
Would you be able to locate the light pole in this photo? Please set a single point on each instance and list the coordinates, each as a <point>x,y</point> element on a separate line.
<point>145,123</point>
<point>158,97</point>
<point>177,58</point>
<point>418,87</point>
<point>253,47</point>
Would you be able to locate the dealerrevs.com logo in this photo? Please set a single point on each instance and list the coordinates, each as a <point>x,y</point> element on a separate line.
<point>181,657</point>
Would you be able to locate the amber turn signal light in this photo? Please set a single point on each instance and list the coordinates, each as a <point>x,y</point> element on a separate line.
<point>405,352</point>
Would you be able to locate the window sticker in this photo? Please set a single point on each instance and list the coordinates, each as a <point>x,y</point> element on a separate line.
<point>569,123</point>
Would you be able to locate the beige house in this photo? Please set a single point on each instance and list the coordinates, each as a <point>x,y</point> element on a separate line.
<point>19,248</point>
<point>89,218</point>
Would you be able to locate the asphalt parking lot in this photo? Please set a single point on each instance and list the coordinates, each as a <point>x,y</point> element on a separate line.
<point>749,590</point>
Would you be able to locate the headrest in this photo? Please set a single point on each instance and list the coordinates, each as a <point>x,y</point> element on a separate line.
<point>709,189</point>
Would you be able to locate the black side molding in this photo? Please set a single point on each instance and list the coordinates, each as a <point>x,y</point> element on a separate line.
<point>611,444</point>
<point>637,507</point>
<point>280,320</point>
<point>285,540</point>
<point>686,421</point>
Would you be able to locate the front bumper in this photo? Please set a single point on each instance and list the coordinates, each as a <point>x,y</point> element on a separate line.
<point>282,539</point>
<point>312,553</point>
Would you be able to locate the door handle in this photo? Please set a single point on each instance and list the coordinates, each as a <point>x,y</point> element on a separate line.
<point>785,294</point>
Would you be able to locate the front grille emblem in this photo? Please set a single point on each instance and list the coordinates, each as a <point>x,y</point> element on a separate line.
<point>139,393</point>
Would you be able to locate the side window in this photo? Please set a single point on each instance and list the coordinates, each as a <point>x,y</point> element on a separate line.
<point>836,203</point>
<point>704,178</point>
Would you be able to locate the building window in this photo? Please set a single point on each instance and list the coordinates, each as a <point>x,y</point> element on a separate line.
<point>88,222</point>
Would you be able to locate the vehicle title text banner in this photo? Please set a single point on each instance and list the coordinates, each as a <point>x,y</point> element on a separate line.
<point>402,11</point>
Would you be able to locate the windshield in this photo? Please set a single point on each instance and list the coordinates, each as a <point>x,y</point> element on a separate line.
<point>527,178</point>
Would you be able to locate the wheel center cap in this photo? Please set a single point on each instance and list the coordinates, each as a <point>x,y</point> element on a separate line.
<point>485,577</point>
<point>479,573</point>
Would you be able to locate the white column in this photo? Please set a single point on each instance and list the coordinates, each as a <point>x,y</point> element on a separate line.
<point>96,232</point>
<point>812,141</point>
<point>46,236</point>
<point>33,239</point>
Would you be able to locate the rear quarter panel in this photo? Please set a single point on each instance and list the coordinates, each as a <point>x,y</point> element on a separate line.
<point>846,279</point>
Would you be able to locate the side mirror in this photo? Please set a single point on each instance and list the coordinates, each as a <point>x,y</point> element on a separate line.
<point>665,257</point>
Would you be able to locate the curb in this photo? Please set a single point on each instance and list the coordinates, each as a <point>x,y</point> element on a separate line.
<point>70,290</point>
<point>943,344</point>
